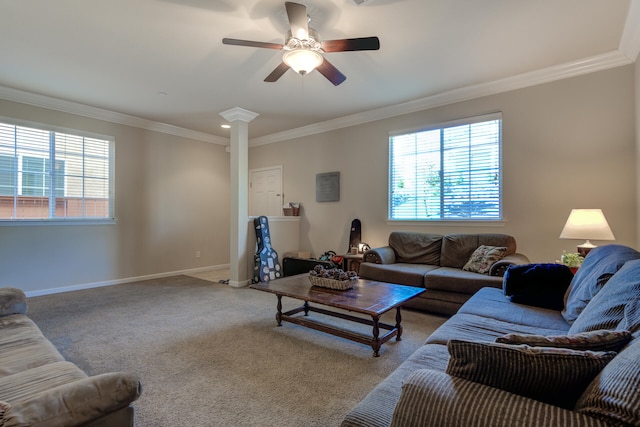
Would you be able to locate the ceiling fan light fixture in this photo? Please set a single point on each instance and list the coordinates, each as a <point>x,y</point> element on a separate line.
<point>302,61</point>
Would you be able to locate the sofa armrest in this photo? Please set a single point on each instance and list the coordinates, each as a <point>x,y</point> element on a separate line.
<point>500,267</point>
<point>383,255</point>
<point>12,301</point>
<point>435,398</point>
<point>75,403</point>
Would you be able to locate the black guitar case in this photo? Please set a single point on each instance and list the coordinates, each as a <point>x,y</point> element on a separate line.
<point>355,237</point>
<point>266,265</point>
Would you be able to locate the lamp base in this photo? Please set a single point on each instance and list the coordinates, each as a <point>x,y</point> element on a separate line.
<point>584,248</point>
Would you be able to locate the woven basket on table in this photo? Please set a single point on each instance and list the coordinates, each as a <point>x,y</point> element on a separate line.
<point>340,285</point>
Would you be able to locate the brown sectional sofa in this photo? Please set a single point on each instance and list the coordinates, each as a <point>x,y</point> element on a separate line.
<point>39,388</point>
<point>435,262</point>
<point>604,295</point>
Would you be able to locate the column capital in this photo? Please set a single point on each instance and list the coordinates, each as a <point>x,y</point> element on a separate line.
<point>237,113</point>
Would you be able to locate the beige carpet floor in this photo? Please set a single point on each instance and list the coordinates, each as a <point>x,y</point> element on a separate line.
<point>212,355</point>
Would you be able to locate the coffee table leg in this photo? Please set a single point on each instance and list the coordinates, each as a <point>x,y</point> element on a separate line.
<point>279,313</point>
<point>398,325</point>
<point>306,308</point>
<point>375,343</point>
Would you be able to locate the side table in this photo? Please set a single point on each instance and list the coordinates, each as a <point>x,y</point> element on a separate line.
<point>351,262</point>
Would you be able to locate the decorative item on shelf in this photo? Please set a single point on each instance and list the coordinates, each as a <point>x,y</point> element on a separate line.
<point>363,247</point>
<point>332,278</point>
<point>291,209</point>
<point>586,224</point>
<point>572,260</point>
<point>296,208</point>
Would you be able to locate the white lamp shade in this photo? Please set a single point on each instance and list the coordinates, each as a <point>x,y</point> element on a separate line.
<point>302,61</point>
<point>587,224</point>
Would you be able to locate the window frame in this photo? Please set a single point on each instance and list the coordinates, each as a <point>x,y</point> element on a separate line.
<point>479,221</point>
<point>76,220</point>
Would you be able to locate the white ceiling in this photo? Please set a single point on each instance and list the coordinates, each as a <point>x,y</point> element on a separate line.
<point>163,61</point>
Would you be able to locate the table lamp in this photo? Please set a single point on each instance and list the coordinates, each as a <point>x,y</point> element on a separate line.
<point>586,224</point>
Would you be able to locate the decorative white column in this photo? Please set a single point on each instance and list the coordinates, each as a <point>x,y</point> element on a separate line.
<point>239,119</point>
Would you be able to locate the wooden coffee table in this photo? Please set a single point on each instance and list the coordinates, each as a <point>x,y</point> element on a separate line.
<point>367,297</point>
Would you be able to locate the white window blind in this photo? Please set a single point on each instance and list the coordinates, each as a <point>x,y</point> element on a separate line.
<point>48,175</point>
<point>452,172</point>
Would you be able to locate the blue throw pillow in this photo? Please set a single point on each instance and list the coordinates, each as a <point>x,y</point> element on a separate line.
<point>540,285</point>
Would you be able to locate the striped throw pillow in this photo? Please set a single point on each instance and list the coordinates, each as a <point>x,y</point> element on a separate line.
<point>600,340</point>
<point>613,396</point>
<point>553,375</point>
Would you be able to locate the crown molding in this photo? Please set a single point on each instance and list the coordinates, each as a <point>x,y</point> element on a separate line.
<point>630,40</point>
<point>629,48</point>
<point>237,113</point>
<point>550,74</point>
<point>56,104</point>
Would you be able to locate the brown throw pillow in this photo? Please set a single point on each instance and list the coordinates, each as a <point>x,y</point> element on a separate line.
<point>600,340</point>
<point>553,375</point>
<point>483,258</point>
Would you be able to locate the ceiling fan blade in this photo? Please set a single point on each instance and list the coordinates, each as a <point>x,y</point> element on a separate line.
<point>250,43</point>
<point>277,73</point>
<point>331,73</point>
<point>298,20</point>
<point>345,45</point>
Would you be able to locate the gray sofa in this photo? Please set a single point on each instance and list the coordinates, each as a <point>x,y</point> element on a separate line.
<point>433,388</point>
<point>435,262</point>
<point>39,388</point>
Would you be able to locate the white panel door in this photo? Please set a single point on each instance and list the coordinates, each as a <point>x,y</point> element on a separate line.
<point>265,192</point>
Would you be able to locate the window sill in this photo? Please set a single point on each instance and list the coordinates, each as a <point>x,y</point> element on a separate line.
<point>450,223</point>
<point>49,222</point>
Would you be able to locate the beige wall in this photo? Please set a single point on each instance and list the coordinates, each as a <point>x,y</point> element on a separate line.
<point>172,199</point>
<point>567,144</point>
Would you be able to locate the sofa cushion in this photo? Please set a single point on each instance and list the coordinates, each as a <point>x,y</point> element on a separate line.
<point>457,248</point>
<point>601,340</point>
<point>483,258</point>
<point>552,375</point>
<point>405,274</point>
<point>541,285</point>
<point>416,248</point>
<point>22,345</point>
<point>23,385</point>
<point>607,309</point>
<point>491,303</point>
<point>613,395</point>
<point>376,409</point>
<point>599,264</point>
<point>459,281</point>
<point>478,328</point>
<point>432,398</point>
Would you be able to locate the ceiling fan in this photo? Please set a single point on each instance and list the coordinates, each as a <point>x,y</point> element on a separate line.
<point>303,48</point>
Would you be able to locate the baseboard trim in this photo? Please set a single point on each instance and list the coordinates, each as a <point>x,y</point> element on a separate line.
<point>241,284</point>
<point>82,286</point>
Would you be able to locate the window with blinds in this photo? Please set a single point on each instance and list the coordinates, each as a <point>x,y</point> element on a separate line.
<point>451,172</point>
<point>52,175</point>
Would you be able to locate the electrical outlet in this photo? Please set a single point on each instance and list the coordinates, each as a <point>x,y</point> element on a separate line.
<point>197,254</point>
